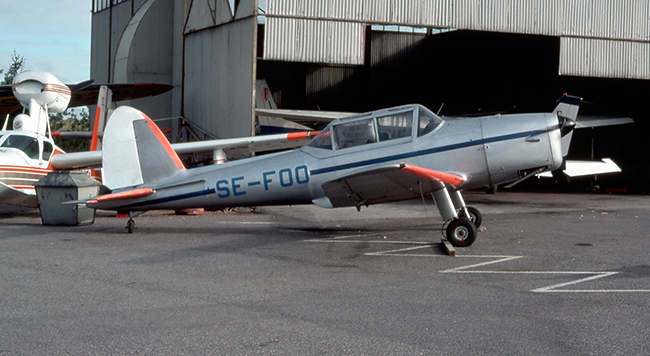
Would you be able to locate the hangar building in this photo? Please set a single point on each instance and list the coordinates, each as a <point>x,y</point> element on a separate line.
<point>456,56</point>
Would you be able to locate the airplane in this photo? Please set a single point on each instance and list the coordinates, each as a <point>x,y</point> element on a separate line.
<point>377,157</point>
<point>26,151</point>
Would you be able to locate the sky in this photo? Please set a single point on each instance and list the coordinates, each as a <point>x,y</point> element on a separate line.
<point>52,35</point>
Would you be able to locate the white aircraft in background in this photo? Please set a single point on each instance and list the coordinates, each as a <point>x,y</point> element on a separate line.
<point>27,149</point>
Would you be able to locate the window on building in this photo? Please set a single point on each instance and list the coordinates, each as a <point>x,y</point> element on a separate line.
<point>100,5</point>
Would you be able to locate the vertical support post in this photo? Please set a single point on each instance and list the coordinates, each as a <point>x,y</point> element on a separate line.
<point>219,156</point>
<point>445,204</point>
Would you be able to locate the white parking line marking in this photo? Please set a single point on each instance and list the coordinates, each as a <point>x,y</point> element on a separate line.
<point>555,288</point>
<point>396,252</point>
<point>499,260</point>
<point>342,239</point>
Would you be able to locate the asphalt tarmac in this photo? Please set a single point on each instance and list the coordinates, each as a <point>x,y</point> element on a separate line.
<point>550,274</point>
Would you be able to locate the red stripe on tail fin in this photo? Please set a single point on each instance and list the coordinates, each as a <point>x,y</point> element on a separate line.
<point>164,142</point>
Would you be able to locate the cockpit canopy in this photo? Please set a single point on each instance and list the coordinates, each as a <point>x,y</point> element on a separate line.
<point>28,143</point>
<point>399,123</point>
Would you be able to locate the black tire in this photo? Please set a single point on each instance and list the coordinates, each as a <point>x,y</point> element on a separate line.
<point>130,226</point>
<point>461,232</point>
<point>474,216</point>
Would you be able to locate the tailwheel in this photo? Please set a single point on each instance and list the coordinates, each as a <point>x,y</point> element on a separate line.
<point>474,216</point>
<point>461,232</point>
<point>130,225</point>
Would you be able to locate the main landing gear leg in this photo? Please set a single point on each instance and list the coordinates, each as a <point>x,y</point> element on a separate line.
<point>462,209</point>
<point>461,231</point>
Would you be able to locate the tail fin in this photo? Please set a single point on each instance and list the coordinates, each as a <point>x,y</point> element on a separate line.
<point>567,106</point>
<point>102,112</point>
<point>567,112</point>
<point>266,125</point>
<point>136,151</point>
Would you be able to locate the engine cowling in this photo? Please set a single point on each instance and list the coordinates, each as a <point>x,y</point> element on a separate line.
<point>44,88</point>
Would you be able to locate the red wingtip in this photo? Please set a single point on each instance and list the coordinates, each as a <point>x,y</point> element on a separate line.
<point>300,135</point>
<point>448,178</point>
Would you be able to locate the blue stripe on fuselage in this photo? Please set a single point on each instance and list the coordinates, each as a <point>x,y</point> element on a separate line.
<point>426,152</point>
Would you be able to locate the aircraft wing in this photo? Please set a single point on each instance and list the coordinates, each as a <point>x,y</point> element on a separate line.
<point>247,144</point>
<point>121,91</point>
<point>385,184</point>
<point>9,195</point>
<point>304,115</point>
<point>587,168</point>
<point>87,95</point>
<point>8,102</point>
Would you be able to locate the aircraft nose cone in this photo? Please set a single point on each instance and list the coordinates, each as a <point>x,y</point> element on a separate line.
<point>566,125</point>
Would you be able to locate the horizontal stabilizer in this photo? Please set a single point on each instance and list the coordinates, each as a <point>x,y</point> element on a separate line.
<point>129,194</point>
<point>587,168</point>
<point>587,121</point>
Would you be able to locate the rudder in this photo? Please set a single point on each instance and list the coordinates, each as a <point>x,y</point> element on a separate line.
<point>135,151</point>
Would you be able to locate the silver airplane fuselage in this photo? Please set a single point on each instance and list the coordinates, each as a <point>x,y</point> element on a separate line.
<point>484,151</point>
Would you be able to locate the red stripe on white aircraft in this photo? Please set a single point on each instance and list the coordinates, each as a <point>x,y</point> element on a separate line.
<point>57,88</point>
<point>24,169</point>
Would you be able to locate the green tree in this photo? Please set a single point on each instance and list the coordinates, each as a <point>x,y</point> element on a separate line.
<point>69,120</point>
<point>17,66</point>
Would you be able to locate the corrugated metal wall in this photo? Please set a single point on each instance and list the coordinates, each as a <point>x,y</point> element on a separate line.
<point>302,40</point>
<point>583,57</point>
<point>219,77</point>
<point>331,31</point>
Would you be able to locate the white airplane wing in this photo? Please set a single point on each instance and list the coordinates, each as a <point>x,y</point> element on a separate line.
<point>248,144</point>
<point>587,168</point>
<point>304,115</point>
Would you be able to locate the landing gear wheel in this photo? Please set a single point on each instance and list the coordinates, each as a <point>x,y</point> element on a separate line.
<point>130,226</point>
<point>461,232</point>
<point>474,216</point>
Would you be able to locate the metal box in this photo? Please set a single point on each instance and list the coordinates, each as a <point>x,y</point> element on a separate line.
<point>57,188</point>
